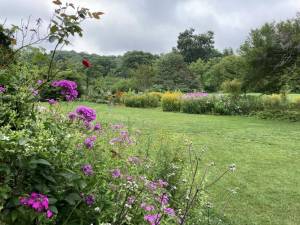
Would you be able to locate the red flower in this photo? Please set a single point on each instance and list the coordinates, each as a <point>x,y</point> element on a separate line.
<point>86,63</point>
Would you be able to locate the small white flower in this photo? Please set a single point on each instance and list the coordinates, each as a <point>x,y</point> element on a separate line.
<point>232,167</point>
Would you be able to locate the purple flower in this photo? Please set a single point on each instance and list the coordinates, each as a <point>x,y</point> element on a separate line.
<point>116,173</point>
<point>52,101</point>
<point>87,170</point>
<point>97,127</point>
<point>147,207</point>
<point>194,95</point>
<point>162,183</point>
<point>34,92</point>
<point>152,185</point>
<point>36,201</point>
<point>130,200</point>
<point>89,142</point>
<point>122,139</point>
<point>169,211</point>
<point>39,82</point>
<point>69,89</point>
<point>72,116</point>
<point>87,125</point>
<point>115,140</point>
<point>2,88</point>
<point>86,113</point>
<point>89,200</point>
<point>163,199</point>
<point>49,214</point>
<point>153,219</point>
<point>129,178</point>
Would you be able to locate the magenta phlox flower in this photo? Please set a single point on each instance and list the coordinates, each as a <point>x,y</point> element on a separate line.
<point>89,142</point>
<point>2,88</point>
<point>116,173</point>
<point>89,200</point>
<point>87,169</point>
<point>153,219</point>
<point>69,89</point>
<point>194,95</point>
<point>163,199</point>
<point>97,127</point>
<point>38,202</point>
<point>147,207</point>
<point>169,211</point>
<point>52,101</point>
<point>85,113</point>
<point>161,183</point>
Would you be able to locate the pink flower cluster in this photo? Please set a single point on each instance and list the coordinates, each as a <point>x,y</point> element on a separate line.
<point>122,139</point>
<point>69,89</point>
<point>84,114</point>
<point>52,101</point>
<point>153,185</point>
<point>2,88</point>
<point>38,202</point>
<point>87,170</point>
<point>194,95</point>
<point>89,142</point>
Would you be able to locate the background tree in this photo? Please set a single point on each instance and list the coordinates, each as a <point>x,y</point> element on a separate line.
<point>173,73</point>
<point>228,68</point>
<point>270,52</point>
<point>133,59</point>
<point>194,46</point>
<point>143,77</point>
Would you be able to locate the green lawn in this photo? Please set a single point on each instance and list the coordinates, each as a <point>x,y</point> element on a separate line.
<point>267,155</point>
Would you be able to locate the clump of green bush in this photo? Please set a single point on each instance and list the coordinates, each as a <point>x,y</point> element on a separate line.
<point>233,87</point>
<point>146,100</point>
<point>202,105</point>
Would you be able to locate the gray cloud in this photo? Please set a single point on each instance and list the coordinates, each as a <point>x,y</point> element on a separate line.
<point>153,25</point>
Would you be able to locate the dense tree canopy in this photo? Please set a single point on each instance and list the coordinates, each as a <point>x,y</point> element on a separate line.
<point>194,46</point>
<point>270,52</point>
<point>173,73</point>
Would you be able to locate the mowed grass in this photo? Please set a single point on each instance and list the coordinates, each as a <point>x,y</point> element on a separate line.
<point>267,155</point>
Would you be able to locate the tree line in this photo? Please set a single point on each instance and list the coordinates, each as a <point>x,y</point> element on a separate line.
<point>267,62</point>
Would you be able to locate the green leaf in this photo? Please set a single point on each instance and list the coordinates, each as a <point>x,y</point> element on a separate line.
<point>52,201</point>
<point>53,29</point>
<point>40,161</point>
<point>53,209</point>
<point>72,198</point>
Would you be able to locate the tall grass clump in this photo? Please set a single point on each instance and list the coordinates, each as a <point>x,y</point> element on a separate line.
<point>146,100</point>
<point>197,103</point>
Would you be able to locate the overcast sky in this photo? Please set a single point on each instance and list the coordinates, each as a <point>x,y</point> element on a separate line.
<point>153,25</point>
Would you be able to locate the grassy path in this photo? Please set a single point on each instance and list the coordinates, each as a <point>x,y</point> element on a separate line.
<point>267,155</point>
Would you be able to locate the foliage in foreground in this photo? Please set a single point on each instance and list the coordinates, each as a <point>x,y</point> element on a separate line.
<point>68,169</point>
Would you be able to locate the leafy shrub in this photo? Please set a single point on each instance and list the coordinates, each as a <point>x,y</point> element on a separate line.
<point>201,105</point>
<point>296,103</point>
<point>68,169</point>
<point>171,101</point>
<point>288,115</point>
<point>146,100</point>
<point>158,95</point>
<point>275,101</point>
<point>233,87</point>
